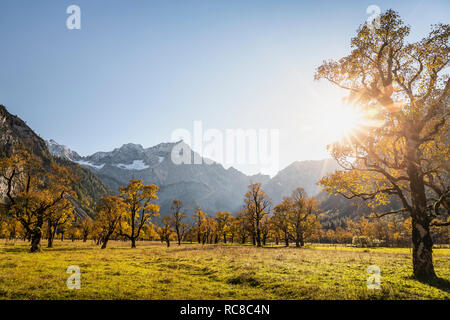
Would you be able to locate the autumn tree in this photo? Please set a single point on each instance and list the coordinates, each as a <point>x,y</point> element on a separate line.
<point>57,217</point>
<point>176,219</point>
<point>140,208</point>
<point>243,226</point>
<point>303,218</point>
<point>257,206</point>
<point>281,219</point>
<point>199,223</point>
<point>86,226</point>
<point>3,228</point>
<point>265,229</point>
<point>74,232</point>
<point>401,149</point>
<point>342,235</point>
<point>109,213</point>
<point>33,190</point>
<point>296,217</point>
<point>166,231</point>
<point>190,234</point>
<point>210,234</point>
<point>11,229</point>
<point>233,228</point>
<point>149,232</point>
<point>223,224</point>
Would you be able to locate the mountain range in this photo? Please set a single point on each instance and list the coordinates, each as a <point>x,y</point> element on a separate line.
<point>207,184</point>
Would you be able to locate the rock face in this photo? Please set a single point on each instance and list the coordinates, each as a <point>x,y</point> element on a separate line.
<point>206,184</point>
<point>15,134</point>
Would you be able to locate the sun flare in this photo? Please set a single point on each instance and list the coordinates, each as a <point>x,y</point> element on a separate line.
<point>341,122</point>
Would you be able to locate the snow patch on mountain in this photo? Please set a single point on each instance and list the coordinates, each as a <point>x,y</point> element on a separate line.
<point>136,165</point>
<point>87,163</point>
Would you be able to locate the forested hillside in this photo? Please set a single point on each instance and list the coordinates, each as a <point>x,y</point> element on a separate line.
<point>16,135</point>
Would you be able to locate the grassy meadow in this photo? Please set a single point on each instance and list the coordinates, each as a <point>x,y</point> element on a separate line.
<point>192,271</point>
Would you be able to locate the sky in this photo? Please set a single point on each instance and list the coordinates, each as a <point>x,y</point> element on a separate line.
<point>137,71</point>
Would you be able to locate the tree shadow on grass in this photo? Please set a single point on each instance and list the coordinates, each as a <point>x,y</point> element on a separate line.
<point>16,249</point>
<point>203,248</point>
<point>439,283</point>
<point>67,249</point>
<point>45,249</point>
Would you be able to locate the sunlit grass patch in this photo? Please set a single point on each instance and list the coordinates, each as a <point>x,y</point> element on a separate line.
<point>192,271</point>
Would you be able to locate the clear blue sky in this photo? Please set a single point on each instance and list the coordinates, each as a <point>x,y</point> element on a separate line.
<point>137,70</point>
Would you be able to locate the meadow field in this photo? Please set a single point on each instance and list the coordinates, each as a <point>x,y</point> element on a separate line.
<point>192,271</point>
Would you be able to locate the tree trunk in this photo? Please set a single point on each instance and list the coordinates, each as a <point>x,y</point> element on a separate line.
<point>133,242</point>
<point>105,242</point>
<point>421,237</point>
<point>224,238</point>
<point>35,241</point>
<point>49,237</point>
<point>36,235</point>
<point>302,241</point>
<point>177,229</point>
<point>422,250</point>
<point>258,234</point>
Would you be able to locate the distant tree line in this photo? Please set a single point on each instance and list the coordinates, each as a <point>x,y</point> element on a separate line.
<point>40,206</point>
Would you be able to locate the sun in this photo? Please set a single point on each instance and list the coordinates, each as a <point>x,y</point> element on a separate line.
<point>340,122</point>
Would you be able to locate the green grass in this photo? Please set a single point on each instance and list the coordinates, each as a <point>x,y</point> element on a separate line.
<point>191,271</point>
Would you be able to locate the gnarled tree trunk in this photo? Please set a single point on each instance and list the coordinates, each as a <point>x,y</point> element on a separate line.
<point>422,250</point>
<point>36,235</point>
<point>421,237</point>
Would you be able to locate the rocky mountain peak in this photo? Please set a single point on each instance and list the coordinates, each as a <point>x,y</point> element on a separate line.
<point>131,147</point>
<point>15,132</point>
<point>61,151</point>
